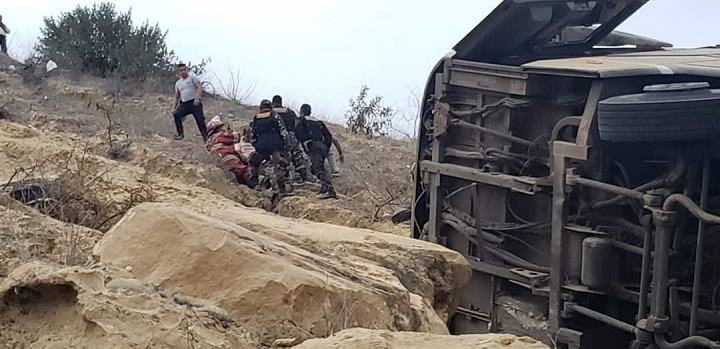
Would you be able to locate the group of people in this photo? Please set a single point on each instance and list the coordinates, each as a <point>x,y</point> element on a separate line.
<point>276,136</point>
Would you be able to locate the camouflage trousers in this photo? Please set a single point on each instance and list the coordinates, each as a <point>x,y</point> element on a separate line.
<point>271,171</point>
<point>297,157</point>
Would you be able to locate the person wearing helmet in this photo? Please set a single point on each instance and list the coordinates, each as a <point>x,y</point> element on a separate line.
<point>293,147</point>
<point>221,142</point>
<point>316,139</point>
<point>269,137</point>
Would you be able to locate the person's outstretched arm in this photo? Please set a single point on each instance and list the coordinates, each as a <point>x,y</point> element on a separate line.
<point>339,149</point>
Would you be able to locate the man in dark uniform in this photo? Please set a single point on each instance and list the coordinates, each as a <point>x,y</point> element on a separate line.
<point>316,139</point>
<point>269,137</point>
<point>293,147</point>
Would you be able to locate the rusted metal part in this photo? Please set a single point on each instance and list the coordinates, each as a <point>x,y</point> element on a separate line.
<point>574,179</point>
<point>492,108</point>
<point>489,77</point>
<point>473,314</point>
<point>525,185</point>
<point>699,246</point>
<point>584,135</point>
<point>558,242</point>
<point>569,337</point>
<point>644,287</point>
<point>469,231</point>
<point>532,280</point>
<point>441,115</point>
<point>518,140</point>
<point>595,315</point>
<point>438,156</point>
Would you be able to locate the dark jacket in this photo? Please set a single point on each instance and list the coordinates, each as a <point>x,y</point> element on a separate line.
<point>288,116</point>
<point>310,130</point>
<point>267,132</point>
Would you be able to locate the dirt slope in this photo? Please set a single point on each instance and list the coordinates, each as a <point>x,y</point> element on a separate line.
<point>375,177</point>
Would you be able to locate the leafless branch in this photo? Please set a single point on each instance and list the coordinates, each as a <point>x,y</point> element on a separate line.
<point>392,198</point>
<point>108,111</point>
<point>409,116</point>
<point>233,88</point>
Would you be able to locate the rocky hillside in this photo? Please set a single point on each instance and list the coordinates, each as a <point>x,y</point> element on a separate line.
<point>103,114</point>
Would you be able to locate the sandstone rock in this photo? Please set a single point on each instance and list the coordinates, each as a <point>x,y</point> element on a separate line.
<point>372,339</point>
<point>283,284</point>
<point>134,285</point>
<point>286,342</point>
<point>429,270</point>
<point>45,307</point>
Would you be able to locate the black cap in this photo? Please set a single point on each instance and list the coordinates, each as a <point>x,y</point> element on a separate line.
<point>305,110</point>
<point>265,104</point>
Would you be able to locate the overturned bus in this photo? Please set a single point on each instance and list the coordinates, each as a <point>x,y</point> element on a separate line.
<point>573,165</point>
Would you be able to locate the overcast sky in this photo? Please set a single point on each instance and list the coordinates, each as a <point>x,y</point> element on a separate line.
<point>323,51</point>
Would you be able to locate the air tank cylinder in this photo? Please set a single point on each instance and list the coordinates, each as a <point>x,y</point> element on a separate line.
<point>599,263</point>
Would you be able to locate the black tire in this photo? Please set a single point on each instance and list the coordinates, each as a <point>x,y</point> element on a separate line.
<point>664,113</point>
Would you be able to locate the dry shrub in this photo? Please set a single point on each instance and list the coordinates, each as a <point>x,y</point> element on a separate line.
<point>78,191</point>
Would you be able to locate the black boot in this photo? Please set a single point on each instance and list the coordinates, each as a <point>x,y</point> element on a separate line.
<point>303,174</point>
<point>284,190</point>
<point>330,194</point>
<point>254,177</point>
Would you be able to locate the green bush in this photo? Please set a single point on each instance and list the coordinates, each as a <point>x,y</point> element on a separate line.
<point>370,118</point>
<point>104,42</point>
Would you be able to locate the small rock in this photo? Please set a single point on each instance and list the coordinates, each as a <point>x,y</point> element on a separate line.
<point>286,342</point>
<point>187,300</point>
<point>217,313</point>
<point>129,284</point>
<point>180,299</point>
<point>129,269</point>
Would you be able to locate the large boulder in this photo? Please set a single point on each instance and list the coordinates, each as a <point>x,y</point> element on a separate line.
<point>358,338</point>
<point>283,281</point>
<point>46,307</point>
<point>429,270</point>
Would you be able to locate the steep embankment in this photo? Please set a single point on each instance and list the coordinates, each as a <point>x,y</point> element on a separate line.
<point>375,177</point>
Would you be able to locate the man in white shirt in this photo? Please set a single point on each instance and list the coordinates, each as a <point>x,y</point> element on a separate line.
<point>4,31</point>
<point>188,100</point>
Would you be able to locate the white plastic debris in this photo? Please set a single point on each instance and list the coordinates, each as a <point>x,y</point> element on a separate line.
<point>51,65</point>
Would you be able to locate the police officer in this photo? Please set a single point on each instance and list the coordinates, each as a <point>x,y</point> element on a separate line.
<point>293,147</point>
<point>316,139</point>
<point>269,137</point>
